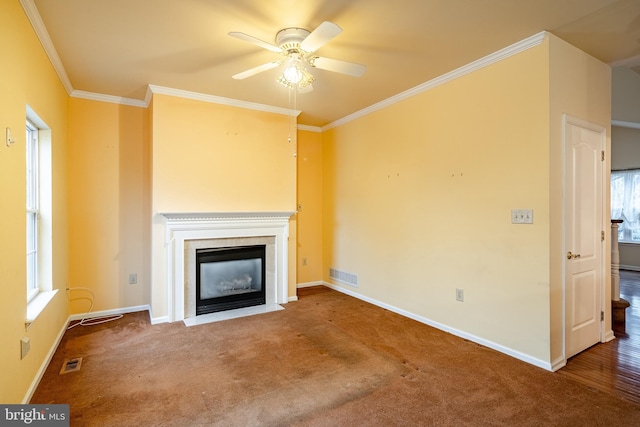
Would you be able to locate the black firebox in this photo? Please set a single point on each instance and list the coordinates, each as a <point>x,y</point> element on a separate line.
<point>230,278</point>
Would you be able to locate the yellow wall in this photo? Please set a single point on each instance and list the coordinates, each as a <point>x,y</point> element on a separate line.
<point>417,200</point>
<point>108,205</point>
<point>27,78</point>
<point>309,216</point>
<point>215,158</point>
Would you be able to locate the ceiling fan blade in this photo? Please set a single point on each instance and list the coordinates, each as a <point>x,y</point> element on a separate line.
<point>321,35</point>
<point>344,67</point>
<point>257,42</point>
<point>255,70</point>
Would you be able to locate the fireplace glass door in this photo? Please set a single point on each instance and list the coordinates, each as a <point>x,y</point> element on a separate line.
<point>229,278</point>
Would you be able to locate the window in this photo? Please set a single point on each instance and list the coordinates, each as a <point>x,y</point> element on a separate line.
<point>625,204</point>
<point>33,213</point>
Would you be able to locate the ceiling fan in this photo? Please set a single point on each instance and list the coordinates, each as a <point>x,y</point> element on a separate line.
<point>298,46</point>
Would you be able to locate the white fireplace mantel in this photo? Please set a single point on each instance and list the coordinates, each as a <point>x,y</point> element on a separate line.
<point>185,226</point>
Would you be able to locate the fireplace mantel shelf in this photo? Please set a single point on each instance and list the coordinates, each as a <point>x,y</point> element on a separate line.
<point>223,216</point>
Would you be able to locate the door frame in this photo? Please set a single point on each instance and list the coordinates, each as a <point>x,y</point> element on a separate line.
<point>605,334</point>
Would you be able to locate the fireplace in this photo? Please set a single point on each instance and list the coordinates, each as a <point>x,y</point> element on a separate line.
<point>230,278</point>
<point>185,233</point>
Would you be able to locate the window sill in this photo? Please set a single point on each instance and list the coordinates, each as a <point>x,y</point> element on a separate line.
<point>37,305</point>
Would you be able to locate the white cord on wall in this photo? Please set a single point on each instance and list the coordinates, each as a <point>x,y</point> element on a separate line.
<point>89,321</point>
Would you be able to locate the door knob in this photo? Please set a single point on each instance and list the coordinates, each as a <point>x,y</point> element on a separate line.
<point>572,256</point>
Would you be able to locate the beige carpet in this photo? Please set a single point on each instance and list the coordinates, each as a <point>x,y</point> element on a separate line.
<point>326,360</point>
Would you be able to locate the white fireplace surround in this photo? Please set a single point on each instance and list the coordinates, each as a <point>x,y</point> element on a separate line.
<point>198,226</point>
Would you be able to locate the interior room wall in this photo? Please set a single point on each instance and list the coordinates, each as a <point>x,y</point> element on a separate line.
<point>108,205</point>
<point>215,158</point>
<point>625,90</point>
<point>28,79</point>
<point>625,154</point>
<point>417,200</point>
<point>309,215</point>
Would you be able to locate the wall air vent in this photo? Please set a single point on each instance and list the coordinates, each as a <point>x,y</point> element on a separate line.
<point>344,277</point>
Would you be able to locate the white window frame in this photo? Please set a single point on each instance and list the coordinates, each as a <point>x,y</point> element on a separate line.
<point>33,211</point>
<point>625,204</point>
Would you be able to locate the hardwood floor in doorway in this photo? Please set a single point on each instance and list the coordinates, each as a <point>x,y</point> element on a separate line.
<point>614,366</point>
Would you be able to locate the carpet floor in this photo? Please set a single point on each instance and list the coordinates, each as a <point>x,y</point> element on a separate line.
<point>326,360</point>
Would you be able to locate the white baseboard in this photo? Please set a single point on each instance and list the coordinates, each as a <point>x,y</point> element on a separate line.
<point>107,313</point>
<point>478,340</point>
<point>157,320</point>
<point>609,336</point>
<point>560,362</point>
<point>630,267</point>
<point>44,365</point>
<point>309,284</point>
<point>293,298</point>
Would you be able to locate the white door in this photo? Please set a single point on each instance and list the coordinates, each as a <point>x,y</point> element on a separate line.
<point>584,203</point>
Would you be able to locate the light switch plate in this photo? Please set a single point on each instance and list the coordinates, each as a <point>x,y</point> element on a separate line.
<point>522,216</point>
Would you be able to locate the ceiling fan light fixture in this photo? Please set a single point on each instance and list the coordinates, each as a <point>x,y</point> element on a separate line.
<point>293,71</point>
<point>295,75</point>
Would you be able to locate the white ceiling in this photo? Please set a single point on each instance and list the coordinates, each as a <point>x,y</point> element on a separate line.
<point>118,47</point>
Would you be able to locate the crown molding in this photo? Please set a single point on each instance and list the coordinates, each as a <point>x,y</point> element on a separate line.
<point>38,25</point>
<point>632,125</point>
<point>32,13</point>
<point>108,98</point>
<point>310,128</point>
<point>634,61</point>
<point>160,90</point>
<point>500,55</point>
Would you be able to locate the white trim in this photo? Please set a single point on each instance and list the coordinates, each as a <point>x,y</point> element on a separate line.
<point>44,365</point>
<point>568,119</point>
<point>32,13</point>
<point>107,313</point>
<point>504,53</point>
<point>108,98</point>
<point>634,61</point>
<point>609,336</point>
<point>158,320</point>
<point>218,100</point>
<point>478,340</point>
<point>180,227</point>
<point>560,362</point>
<point>37,305</point>
<point>630,267</point>
<point>310,128</point>
<point>309,284</point>
<point>620,123</point>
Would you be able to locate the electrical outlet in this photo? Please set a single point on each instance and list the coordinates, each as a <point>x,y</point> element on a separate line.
<point>304,262</point>
<point>460,295</point>
<point>133,278</point>
<point>25,346</point>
